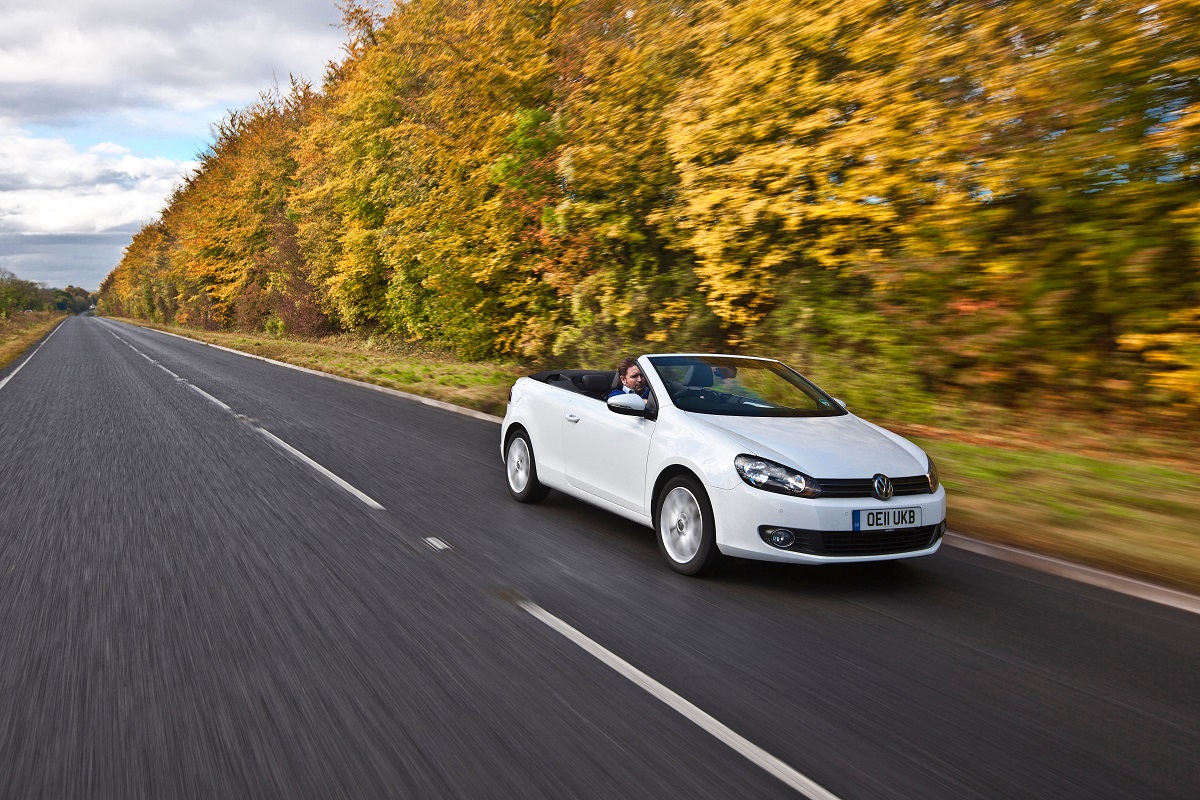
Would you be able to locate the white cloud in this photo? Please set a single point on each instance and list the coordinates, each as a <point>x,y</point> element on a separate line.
<point>47,186</point>
<point>108,149</point>
<point>182,55</point>
<point>92,95</point>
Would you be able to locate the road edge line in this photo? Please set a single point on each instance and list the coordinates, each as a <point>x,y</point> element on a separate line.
<point>29,358</point>
<point>429,401</point>
<point>1080,573</point>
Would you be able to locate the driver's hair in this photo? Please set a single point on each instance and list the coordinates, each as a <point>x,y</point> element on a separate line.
<point>624,366</point>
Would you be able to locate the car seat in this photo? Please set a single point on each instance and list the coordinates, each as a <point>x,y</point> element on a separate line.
<point>698,376</point>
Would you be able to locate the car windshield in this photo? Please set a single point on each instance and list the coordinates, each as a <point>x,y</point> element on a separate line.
<point>741,387</point>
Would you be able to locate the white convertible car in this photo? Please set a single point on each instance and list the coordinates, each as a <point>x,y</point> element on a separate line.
<point>730,455</point>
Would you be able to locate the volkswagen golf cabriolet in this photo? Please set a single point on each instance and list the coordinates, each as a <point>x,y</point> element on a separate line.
<point>729,456</point>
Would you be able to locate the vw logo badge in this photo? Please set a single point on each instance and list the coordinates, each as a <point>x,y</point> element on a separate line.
<point>881,487</point>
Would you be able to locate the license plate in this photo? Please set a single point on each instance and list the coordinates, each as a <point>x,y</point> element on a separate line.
<point>887,518</point>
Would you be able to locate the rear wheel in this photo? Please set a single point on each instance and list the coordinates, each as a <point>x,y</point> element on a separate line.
<point>687,532</point>
<point>521,470</point>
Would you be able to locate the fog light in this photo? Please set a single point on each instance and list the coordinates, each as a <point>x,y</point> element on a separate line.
<point>941,528</point>
<point>782,537</point>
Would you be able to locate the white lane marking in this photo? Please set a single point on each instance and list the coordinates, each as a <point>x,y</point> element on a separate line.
<point>704,720</point>
<point>270,436</point>
<point>416,398</point>
<point>1026,558</point>
<point>157,364</point>
<point>13,374</point>
<point>208,396</point>
<point>436,543</point>
<point>343,484</point>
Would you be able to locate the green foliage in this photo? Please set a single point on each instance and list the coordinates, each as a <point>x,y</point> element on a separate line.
<point>975,197</point>
<point>22,295</point>
<point>524,168</point>
<point>73,299</point>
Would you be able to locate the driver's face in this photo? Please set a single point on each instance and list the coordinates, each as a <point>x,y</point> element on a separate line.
<point>634,379</point>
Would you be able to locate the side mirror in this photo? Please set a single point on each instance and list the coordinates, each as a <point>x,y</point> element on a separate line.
<point>840,401</point>
<point>630,405</point>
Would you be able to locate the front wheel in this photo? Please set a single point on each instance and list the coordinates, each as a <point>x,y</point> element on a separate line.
<point>521,470</point>
<point>687,532</point>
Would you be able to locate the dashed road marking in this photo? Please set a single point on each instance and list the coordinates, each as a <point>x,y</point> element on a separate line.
<point>436,543</point>
<point>723,733</point>
<point>308,461</point>
<point>272,438</point>
<point>1032,560</point>
<point>208,396</point>
<point>416,398</point>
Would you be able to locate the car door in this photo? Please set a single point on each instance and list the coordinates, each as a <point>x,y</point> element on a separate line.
<point>605,453</point>
<point>542,417</point>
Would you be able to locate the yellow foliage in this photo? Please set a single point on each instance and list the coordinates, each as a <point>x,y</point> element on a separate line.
<point>1175,355</point>
<point>1006,191</point>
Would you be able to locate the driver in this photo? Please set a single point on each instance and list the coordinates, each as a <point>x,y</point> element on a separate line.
<point>632,380</point>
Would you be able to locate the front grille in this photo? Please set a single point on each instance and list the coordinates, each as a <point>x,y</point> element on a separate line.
<point>862,487</point>
<point>872,543</point>
<point>858,543</point>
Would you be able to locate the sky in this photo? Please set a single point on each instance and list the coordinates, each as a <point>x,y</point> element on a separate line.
<point>104,107</point>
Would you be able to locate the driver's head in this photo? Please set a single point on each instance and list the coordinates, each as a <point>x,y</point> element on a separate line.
<point>631,375</point>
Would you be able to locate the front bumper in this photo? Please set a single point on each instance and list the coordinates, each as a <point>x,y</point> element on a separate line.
<point>823,527</point>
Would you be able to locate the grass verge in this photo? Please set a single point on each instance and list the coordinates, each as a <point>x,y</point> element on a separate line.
<point>1123,500</point>
<point>1127,516</point>
<point>19,331</point>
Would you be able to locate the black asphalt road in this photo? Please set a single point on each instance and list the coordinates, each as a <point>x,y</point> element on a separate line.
<point>191,611</point>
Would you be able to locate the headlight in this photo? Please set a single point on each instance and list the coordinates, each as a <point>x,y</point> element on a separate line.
<point>932,476</point>
<point>771,477</point>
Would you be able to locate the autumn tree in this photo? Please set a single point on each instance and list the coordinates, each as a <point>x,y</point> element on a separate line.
<point>991,198</point>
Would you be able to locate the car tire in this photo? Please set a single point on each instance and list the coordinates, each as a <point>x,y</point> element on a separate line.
<point>686,529</point>
<point>520,469</point>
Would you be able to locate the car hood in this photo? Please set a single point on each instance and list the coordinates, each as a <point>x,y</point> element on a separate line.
<point>824,447</point>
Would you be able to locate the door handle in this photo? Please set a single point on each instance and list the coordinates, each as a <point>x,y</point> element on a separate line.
<point>572,418</point>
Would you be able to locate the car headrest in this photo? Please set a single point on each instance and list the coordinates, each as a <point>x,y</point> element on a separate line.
<point>698,375</point>
<point>595,383</point>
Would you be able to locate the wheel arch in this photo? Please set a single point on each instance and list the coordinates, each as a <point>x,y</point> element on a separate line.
<point>512,430</point>
<point>669,472</point>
